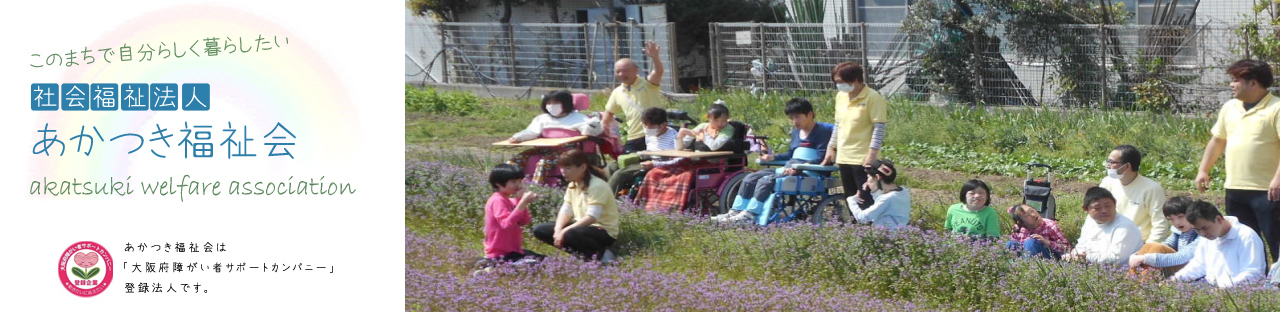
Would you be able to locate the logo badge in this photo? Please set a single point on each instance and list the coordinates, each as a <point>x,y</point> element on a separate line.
<point>85,269</point>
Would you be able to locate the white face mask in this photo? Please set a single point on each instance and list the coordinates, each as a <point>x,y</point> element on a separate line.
<point>555,109</point>
<point>651,132</point>
<point>844,87</point>
<point>1113,173</point>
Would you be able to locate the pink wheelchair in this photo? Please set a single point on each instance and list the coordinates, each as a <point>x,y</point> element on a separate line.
<point>539,162</point>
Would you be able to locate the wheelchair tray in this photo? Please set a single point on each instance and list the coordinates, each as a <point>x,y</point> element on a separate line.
<point>810,167</point>
<point>543,142</point>
<point>685,154</point>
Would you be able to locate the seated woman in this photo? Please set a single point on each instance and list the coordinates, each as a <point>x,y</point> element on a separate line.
<point>667,188</point>
<point>973,216</point>
<point>757,186</point>
<point>588,220</point>
<point>558,113</point>
<point>891,204</point>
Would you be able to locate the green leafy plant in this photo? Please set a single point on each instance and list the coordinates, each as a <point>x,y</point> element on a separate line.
<point>1153,95</point>
<point>82,274</point>
<point>458,103</point>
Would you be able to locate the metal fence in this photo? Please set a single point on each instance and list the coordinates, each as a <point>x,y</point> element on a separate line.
<point>1082,65</point>
<point>543,55</point>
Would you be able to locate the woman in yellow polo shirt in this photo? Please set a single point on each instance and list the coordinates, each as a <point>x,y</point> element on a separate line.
<point>588,221</point>
<point>861,115</point>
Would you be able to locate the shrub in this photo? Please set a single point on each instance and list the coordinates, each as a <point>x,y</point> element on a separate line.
<point>429,100</point>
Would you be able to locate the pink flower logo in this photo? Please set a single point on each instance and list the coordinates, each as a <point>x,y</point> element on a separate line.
<point>86,260</point>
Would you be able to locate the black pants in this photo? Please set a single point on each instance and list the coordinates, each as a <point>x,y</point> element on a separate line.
<point>1254,210</point>
<point>586,242</point>
<point>852,177</point>
<point>633,146</point>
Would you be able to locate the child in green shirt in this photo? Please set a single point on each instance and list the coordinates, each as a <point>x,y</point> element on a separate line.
<point>973,216</point>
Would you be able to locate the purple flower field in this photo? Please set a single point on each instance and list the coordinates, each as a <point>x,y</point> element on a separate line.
<point>679,263</point>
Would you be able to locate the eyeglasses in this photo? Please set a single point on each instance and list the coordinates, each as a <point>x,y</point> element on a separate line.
<point>1112,162</point>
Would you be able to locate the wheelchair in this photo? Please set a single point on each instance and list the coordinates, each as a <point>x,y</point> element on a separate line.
<point>716,178</point>
<point>811,195</point>
<point>540,167</point>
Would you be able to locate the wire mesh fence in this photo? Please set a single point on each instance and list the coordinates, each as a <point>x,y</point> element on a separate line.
<point>1183,67</point>
<point>557,55</point>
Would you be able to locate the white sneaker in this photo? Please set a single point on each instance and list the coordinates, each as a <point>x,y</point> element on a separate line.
<point>608,257</point>
<point>724,216</point>
<point>741,217</point>
<point>482,271</point>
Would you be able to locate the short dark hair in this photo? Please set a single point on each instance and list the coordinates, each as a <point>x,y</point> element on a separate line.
<point>1176,205</point>
<point>564,97</point>
<point>1016,208</point>
<point>504,173</point>
<point>847,71</point>
<point>654,116</point>
<point>1130,155</point>
<point>798,106</point>
<point>1202,210</point>
<point>973,185</point>
<point>1094,194</point>
<point>1256,70</point>
<point>716,110</point>
<point>875,170</point>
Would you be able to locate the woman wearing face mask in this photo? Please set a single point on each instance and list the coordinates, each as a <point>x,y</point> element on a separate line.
<point>891,204</point>
<point>558,113</point>
<point>861,117</point>
<point>973,216</point>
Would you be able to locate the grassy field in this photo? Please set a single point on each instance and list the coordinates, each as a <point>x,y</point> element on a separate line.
<point>800,267</point>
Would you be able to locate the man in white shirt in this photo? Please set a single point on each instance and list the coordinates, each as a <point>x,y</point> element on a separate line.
<point>1232,253</point>
<point>1106,236</point>
<point>1138,198</point>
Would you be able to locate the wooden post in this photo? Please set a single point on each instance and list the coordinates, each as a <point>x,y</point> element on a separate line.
<point>591,56</point>
<point>764,61</point>
<point>866,65</point>
<point>511,43</point>
<point>714,53</point>
<point>615,32</point>
<point>1103,53</point>
<point>444,51</point>
<point>674,73</point>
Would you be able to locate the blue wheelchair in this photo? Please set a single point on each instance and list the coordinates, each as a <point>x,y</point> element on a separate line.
<point>811,195</point>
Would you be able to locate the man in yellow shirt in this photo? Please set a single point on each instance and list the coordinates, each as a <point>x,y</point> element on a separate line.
<point>1248,131</point>
<point>633,96</point>
<point>1137,197</point>
<point>861,115</point>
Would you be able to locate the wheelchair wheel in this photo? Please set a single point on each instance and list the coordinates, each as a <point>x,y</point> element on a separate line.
<point>728,191</point>
<point>834,208</point>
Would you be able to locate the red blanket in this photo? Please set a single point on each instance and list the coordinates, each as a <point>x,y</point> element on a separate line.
<point>666,189</point>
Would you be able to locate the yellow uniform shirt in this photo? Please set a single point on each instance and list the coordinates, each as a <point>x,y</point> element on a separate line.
<point>856,118</point>
<point>1253,142</point>
<point>1142,201</point>
<point>632,102</point>
<point>597,193</point>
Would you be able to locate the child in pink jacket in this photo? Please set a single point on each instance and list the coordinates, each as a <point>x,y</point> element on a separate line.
<point>504,214</point>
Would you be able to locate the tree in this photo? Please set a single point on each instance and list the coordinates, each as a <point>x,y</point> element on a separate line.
<point>554,5</point>
<point>445,10</point>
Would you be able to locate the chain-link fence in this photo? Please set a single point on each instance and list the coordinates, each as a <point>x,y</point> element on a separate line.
<point>1079,65</point>
<point>557,55</point>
